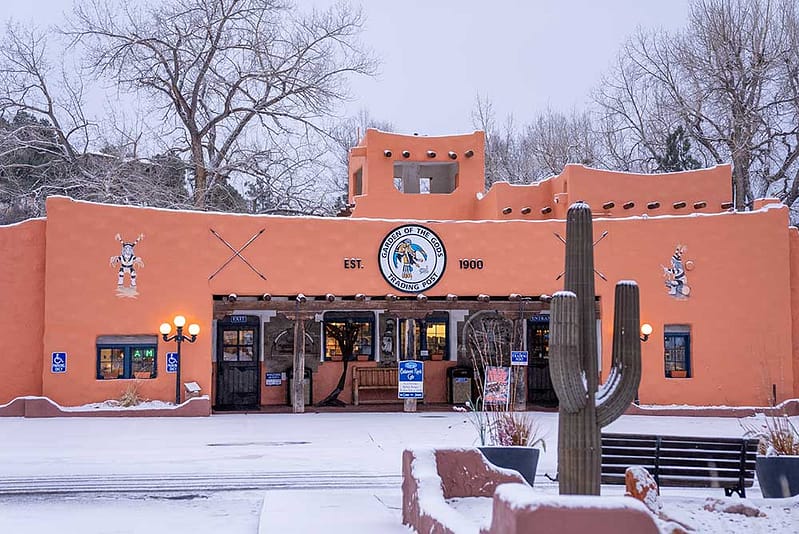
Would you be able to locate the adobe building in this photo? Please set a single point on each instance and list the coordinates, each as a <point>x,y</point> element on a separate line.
<point>423,255</point>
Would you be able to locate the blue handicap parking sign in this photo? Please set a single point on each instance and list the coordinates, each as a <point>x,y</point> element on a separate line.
<point>59,363</point>
<point>172,362</point>
<point>411,380</point>
<point>518,357</point>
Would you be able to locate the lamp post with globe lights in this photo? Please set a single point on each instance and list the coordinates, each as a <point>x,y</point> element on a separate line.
<point>179,321</point>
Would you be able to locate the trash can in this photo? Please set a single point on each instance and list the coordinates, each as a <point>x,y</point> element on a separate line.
<point>308,379</point>
<point>459,384</point>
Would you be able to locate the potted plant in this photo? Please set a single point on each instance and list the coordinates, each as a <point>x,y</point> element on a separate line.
<point>515,437</point>
<point>777,462</point>
<point>508,439</point>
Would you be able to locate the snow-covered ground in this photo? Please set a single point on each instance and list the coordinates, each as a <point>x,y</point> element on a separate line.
<point>332,472</point>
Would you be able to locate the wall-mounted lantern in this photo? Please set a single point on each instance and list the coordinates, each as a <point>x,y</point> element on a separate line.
<point>646,331</point>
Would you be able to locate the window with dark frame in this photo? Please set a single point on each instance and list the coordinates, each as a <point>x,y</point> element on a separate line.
<point>364,346</point>
<point>127,357</point>
<point>434,344</point>
<point>677,351</point>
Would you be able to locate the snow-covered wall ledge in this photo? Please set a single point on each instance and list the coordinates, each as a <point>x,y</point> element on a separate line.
<point>788,407</point>
<point>38,407</point>
<point>518,509</point>
<point>431,476</point>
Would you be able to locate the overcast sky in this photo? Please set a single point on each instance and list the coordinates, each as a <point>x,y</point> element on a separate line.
<point>438,55</point>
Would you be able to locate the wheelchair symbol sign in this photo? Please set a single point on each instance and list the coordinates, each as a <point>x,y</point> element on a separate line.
<point>59,362</point>
<point>172,362</point>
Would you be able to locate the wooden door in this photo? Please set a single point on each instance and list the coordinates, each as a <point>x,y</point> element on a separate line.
<point>238,363</point>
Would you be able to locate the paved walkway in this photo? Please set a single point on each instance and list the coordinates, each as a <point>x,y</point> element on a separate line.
<point>194,482</point>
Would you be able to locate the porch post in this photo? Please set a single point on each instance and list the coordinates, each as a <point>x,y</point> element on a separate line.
<point>299,365</point>
<point>519,372</point>
<point>410,354</point>
<point>298,376</point>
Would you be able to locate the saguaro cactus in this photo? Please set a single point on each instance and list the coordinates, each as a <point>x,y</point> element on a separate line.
<point>585,406</point>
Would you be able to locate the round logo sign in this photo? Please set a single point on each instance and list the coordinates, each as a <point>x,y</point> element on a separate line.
<point>412,258</point>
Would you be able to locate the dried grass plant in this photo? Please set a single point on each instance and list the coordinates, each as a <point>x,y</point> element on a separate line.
<point>518,429</point>
<point>131,396</point>
<point>777,436</point>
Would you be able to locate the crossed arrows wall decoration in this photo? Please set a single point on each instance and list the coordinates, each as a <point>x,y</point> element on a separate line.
<point>237,253</point>
<point>603,236</point>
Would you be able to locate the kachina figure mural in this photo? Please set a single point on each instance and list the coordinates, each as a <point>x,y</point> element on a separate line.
<point>676,279</point>
<point>127,262</point>
<point>407,254</point>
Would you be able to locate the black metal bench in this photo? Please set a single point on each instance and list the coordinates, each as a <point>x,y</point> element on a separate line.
<point>674,461</point>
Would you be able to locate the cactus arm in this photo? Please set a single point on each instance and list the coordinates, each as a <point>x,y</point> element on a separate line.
<point>565,366</point>
<point>618,391</point>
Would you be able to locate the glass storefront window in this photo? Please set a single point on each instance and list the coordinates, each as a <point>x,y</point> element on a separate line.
<point>357,329</point>
<point>677,351</point>
<point>124,361</point>
<point>435,341</point>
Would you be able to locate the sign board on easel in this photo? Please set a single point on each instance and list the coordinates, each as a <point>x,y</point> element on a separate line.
<point>497,385</point>
<point>411,380</point>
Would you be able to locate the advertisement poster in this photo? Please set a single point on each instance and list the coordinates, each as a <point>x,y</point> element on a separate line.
<point>497,385</point>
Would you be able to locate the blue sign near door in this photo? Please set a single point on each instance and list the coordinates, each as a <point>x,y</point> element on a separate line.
<point>59,362</point>
<point>518,357</point>
<point>172,362</point>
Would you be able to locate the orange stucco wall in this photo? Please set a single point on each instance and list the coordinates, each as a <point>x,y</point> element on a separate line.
<point>56,278</point>
<point>739,309</point>
<point>594,186</point>
<point>381,199</point>
<point>700,191</point>
<point>794,240</point>
<point>21,312</point>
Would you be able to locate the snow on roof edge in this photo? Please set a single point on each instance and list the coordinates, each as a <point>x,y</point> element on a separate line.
<point>644,216</point>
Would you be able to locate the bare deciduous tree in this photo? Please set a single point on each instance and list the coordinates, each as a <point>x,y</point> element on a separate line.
<point>557,139</point>
<point>46,139</point>
<point>730,79</point>
<point>234,79</point>
<point>537,151</point>
<point>507,159</point>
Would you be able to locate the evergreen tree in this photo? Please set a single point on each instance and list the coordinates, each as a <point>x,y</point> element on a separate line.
<point>677,155</point>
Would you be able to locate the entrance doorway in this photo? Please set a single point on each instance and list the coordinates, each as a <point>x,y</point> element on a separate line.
<point>238,355</point>
<point>539,384</point>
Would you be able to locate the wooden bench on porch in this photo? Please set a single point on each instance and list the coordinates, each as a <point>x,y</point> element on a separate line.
<point>727,463</point>
<point>374,378</point>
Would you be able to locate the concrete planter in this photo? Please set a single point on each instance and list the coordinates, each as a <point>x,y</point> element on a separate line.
<point>521,459</point>
<point>778,476</point>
